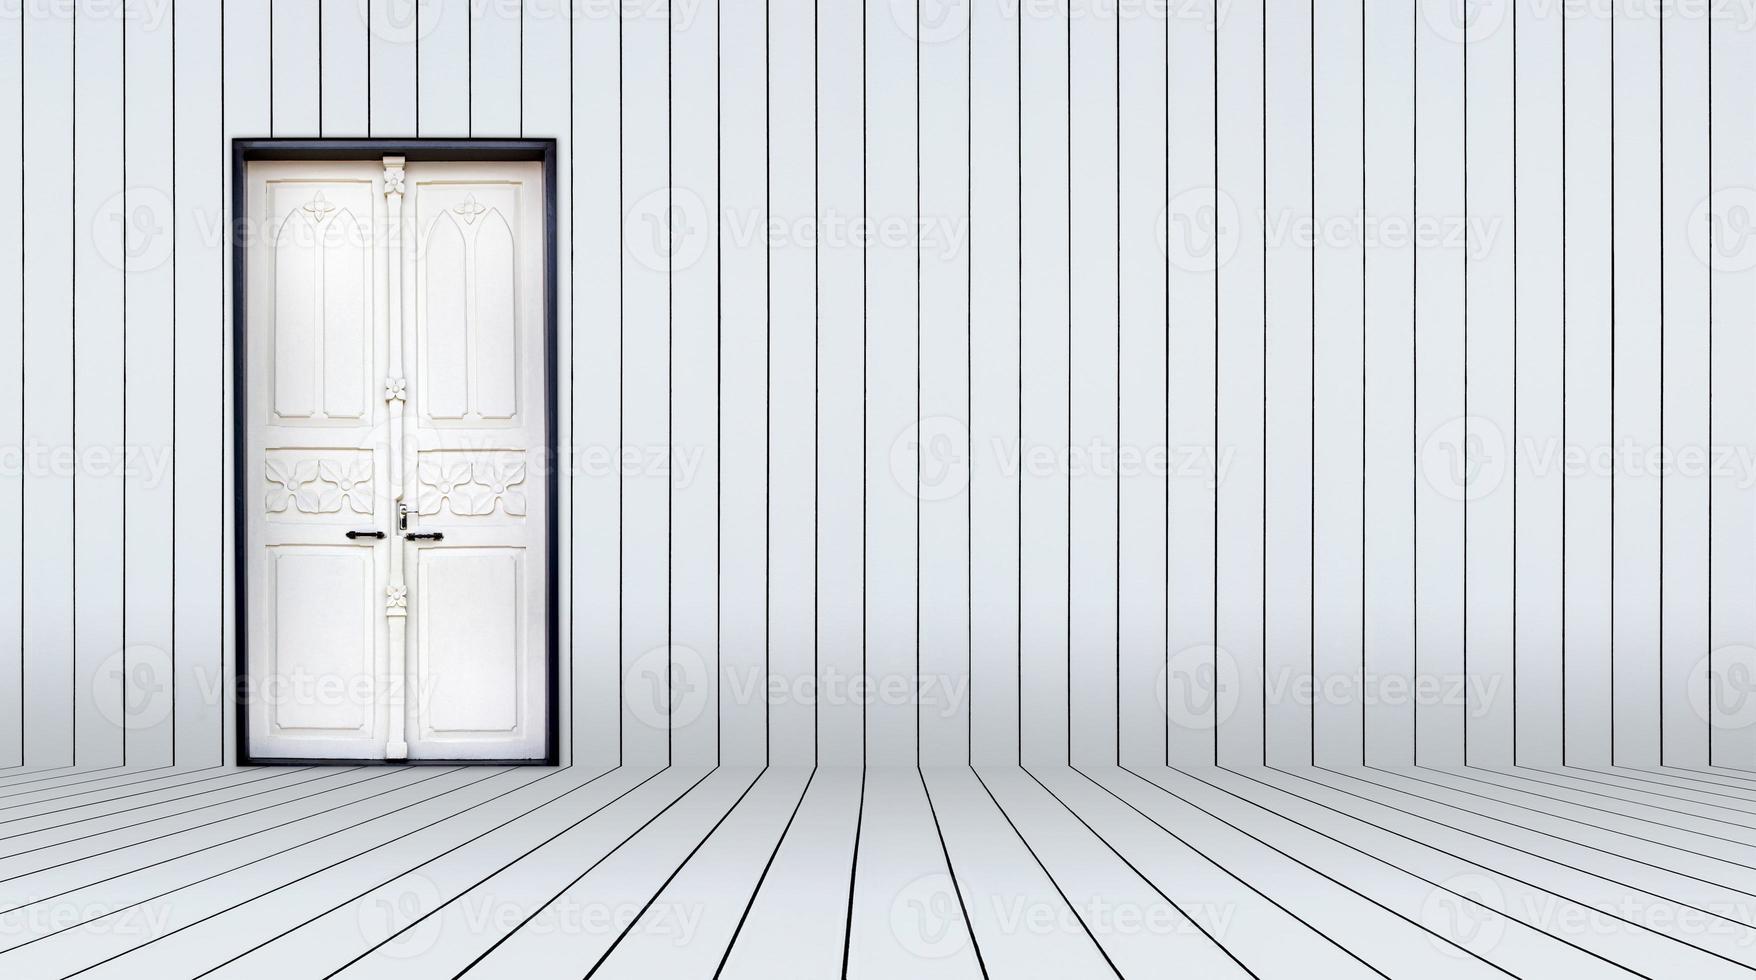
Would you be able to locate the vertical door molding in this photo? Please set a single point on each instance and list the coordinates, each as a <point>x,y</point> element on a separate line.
<point>396,746</point>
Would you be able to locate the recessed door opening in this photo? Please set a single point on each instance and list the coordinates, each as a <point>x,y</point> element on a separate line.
<point>394,430</point>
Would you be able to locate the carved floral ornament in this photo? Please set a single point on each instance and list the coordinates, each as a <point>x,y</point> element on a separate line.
<point>319,486</point>
<point>470,209</point>
<point>319,208</point>
<point>471,490</point>
<point>393,180</point>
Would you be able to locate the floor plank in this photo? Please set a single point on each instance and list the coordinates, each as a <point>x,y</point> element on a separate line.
<point>796,919</point>
<point>909,917</point>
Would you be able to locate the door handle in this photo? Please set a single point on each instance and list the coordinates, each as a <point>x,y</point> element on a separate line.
<point>356,535</point>
<point>425,536</point>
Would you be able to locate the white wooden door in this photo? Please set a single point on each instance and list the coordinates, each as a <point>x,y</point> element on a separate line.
<point>397,528</point>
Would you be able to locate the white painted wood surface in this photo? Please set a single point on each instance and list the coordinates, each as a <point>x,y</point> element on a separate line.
<point>1112,255</point>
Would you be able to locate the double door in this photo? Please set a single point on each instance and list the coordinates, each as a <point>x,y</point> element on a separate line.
<point>393,477</point>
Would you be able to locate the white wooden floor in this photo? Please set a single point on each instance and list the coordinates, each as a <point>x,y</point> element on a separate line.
<point>790,873</point>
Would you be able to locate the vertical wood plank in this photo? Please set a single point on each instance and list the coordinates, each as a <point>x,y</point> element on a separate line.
<point>993,237</point>
<point>201,319</point>
<point>249,110</point>
<point>942,436</point>
<point>496,68</point>
<point>1638,399</point>
<point>346,63</point>
<point>695,606</point>
<point>1338,401</point>
<point>841,533</point>
<point>1733,257</point>
<point>12,469</point>
<point>442,59</point>
<point>1685,388</point>
<point>147,219</point>
<point>600,704</point>
<point>1440,401</point>
<point>49,236</point>
<point>649,244</point>
<point>1489,227</point>
<point>744,314</point>
<point>1045,341</point>
<point>296,61</point>
<point>1199,230</point>
<point>794,245</point>
<point>393,29</point>
<point>1538,435</point>
<point>1238,569</point>
<point>1390,473</point>
<point>892,350</point>
<point>99,427</point>
<point>547,109</point>
<point>1289,447</point>
<point>1089,675</point>
<point>1590,545</point>
<point>1146,458</point>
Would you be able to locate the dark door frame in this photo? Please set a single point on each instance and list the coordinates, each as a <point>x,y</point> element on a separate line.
<point>245,151</point>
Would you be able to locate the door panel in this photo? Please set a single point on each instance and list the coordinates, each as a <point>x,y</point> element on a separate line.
<point>472,635</point>
<point>317,458</point>
<point>320,659</point>
<point>478,597</point>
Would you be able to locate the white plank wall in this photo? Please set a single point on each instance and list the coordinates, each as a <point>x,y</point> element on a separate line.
<point>98,387</point>
<point>1732,506</point>
<point>1385,700</point>
<point>1537,479</point>
<point>1338,406</point>
<point>841,407</point>
<point>146,223</point>
<point>602,700</point>
<point>12,197</point>
<point>695,356</point>
<point>1143,362</point>
<point>1200,232</point>
<point>996,399</point>
<point>1204,382</point>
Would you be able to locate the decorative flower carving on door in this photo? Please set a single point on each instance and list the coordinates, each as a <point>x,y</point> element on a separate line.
<point>347,482</point>
<point>292,486</point>
<point>475,489</point>
<point>318,486</point>
<point>501,483</point>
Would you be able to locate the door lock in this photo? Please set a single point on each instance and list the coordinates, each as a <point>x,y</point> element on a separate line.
<point>356,535</point>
